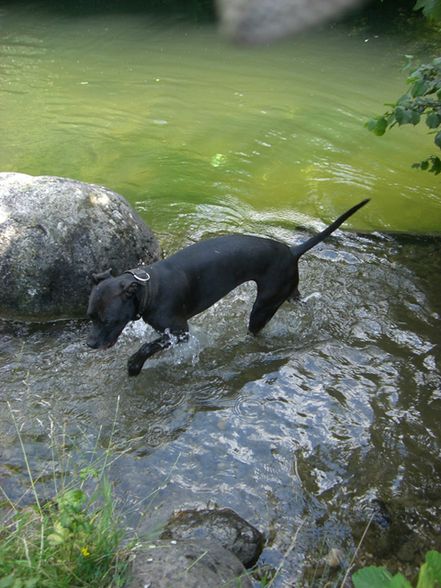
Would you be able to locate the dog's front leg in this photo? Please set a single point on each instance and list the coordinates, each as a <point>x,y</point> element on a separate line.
<point>137,360</point>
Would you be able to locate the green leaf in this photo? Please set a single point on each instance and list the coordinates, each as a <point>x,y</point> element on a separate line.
<point>403,116</point>
<point>372,577</point>
<point>433,558</point>
<point>435,162</point>
<point>399,581</point>
<point>402,100</point>
<point>415,117</point>
<point>59,535</point>
<point>425,577</point>
<point>436,165</point>
<point>419,88</point>
<point>433,120</point>
<point>55,539</point>
<point>377,125</point>
<point>438,139</point>
<point>66,520</point>
<point>72,499</point>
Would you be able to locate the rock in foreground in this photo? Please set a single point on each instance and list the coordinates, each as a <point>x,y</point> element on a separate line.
<point>54,233</point>
<point>222,525</point>
<point>190,564</point>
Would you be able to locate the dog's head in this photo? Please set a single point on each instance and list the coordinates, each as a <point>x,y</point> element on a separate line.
<point>112,304</point>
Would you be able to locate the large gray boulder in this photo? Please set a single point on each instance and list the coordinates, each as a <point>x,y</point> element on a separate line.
<point>190,564</point>
<point>54,233</point>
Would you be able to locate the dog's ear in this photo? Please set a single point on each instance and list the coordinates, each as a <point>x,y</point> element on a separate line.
<point>128,290</point>
<point>97,278</point>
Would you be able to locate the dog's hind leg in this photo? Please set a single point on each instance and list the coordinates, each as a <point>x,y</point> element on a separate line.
<point>265,307</point>
<point>260,316</point>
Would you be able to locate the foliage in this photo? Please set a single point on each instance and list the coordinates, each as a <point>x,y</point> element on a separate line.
<point>421,101</point>
<point>74,539</point>
<point>71,540</point>
<point>375,577</point>
<point>431,8</point>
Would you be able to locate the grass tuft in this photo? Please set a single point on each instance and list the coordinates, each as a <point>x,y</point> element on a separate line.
<point>72,540</point>
<point>75,539</point>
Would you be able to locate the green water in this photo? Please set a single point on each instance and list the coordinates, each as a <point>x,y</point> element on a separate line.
<point>328,422</point>
<point>168,112</point>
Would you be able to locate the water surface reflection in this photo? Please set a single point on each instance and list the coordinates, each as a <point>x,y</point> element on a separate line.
<point>333,410</point>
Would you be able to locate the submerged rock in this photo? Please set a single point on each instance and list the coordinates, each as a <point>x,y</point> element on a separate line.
<point>222,525</point>
<point>193,564</point>
<point>54,233</point>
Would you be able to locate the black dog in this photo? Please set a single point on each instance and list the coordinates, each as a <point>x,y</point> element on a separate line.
<point>169,292</point>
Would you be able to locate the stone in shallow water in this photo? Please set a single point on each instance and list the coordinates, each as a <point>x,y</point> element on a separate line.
<point>54,233</point>
<point>222,525</point>
<point>190,564</point>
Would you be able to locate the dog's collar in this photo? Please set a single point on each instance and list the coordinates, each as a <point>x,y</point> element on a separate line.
<point>142,277</point>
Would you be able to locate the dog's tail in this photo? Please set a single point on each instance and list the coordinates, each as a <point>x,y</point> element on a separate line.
<point>298,250</point>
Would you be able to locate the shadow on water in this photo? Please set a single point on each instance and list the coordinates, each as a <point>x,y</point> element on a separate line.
<point>193,10</point>
<point>328,420</point>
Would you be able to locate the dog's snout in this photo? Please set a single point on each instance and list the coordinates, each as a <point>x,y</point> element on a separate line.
<point>92,343</point>
<point>94,338</point>
<point>101,338</point>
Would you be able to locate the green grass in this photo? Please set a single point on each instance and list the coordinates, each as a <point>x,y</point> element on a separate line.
<point>74,539</point>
